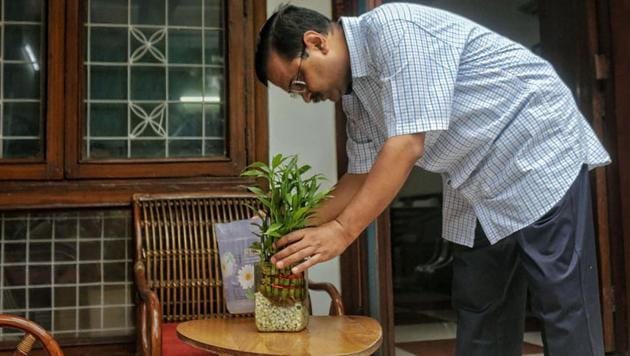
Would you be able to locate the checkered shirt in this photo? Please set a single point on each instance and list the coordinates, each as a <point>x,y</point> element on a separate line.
<point>500,126</point>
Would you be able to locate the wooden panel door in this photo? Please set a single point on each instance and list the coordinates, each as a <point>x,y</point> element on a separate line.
<point>570,39</point>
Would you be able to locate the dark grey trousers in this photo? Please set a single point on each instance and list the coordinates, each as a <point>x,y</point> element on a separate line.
<point>555,258</point>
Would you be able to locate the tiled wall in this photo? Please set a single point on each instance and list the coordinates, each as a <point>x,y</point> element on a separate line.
<point>69,271</point>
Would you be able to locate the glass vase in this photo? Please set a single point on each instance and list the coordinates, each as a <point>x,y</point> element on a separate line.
<point>281,299</point>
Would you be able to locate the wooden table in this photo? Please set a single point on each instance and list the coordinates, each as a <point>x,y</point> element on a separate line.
<point>324,335</point>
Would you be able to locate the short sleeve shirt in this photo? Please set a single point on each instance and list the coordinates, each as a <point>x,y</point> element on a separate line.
<point>500,126</point>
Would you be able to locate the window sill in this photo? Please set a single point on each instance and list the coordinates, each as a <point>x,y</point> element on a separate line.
<point>104,193</point>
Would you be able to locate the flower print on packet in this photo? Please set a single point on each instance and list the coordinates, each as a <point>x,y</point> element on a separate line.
<point>237,263</point>
<point>228,265</point>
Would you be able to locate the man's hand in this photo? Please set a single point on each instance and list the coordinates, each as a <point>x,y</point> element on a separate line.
<point>313,245</point>
<point>389,172</point>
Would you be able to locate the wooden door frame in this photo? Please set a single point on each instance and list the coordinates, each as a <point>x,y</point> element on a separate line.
<point>353,262</point>
<point>576,45</point>
<point>617,125</point>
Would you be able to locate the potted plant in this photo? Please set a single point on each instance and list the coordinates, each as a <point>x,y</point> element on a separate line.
<point>281,298</point>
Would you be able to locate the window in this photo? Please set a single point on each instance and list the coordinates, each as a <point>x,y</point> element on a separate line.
<point>128,90</point>
<point>153,95</point>
<point>29,102</point>
<point>155,84</point>
<point>22,67</point>
<point>101,99</point>
<point>69,271</point>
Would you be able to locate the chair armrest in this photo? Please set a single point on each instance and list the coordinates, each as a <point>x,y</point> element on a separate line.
<point>33,332</point>
<point>336,305</point>
<point>149,312</point>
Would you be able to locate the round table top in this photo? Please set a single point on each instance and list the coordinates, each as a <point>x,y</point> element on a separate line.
<point>324,335</point>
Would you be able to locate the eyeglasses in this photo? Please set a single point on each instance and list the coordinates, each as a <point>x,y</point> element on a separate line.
<point>297,87</point>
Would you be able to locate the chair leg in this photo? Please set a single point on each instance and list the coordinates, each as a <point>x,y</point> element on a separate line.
<point>143,342</point>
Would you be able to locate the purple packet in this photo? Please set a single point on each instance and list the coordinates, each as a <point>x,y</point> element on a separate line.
<point>237,262</point>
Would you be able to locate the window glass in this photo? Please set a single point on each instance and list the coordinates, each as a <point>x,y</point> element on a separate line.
<point>155,79</point>
<point>22,78</point>
<point>69,271</point>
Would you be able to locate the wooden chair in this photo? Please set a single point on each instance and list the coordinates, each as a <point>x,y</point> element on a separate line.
<point>177,268</point>
<point>32,332</point>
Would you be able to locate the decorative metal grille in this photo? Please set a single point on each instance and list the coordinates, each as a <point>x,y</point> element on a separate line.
<point>69,271</point>
<point>155,72</point>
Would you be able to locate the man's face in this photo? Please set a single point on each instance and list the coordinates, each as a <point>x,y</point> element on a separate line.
<point>323,70</point>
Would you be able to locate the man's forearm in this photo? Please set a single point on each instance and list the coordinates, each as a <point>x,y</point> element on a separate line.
<point>342,193</point>
<point>390,171</point>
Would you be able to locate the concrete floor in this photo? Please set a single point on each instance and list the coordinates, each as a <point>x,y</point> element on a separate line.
<point>437,338</point>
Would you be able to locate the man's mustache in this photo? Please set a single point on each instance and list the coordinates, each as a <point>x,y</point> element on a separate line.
<point>317,97</point>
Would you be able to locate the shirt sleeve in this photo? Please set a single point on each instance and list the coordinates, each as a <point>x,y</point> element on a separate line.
<point>360,145</point>
<point>418,71</point>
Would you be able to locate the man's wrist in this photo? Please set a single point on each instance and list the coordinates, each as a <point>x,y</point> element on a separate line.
<point>347,234</point>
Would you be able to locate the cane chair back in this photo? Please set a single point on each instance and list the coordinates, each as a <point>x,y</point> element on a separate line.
<point>175,240</point>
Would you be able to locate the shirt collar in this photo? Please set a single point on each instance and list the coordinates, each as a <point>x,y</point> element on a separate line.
<point>356,47</point>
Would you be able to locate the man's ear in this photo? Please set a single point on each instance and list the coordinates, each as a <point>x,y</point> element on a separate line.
<point>316,41</point>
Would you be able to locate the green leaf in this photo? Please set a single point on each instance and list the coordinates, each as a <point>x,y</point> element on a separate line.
<point>277,160</point>
<point>254,173</point>
<point>257,191</point>
<point>288,201</point>
<point>259,165</point>
<point>273,228</point>
<point>253,209</point>
<point>304,169</point>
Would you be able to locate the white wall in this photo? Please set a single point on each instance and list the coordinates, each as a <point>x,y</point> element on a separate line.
<point>308,131</point>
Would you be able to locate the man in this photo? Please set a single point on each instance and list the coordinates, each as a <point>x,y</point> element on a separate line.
<point>425,87</point>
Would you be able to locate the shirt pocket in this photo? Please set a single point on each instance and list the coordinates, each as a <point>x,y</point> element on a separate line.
<point>357,132</point>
